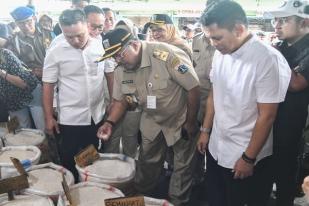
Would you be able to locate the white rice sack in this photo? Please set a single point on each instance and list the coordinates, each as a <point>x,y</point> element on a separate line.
<point>28,155</point>
<point>156,202</point>
<point>90,193</point>
<point>110,168</point>
<point>45,180</point>
<point>25,137</point>
<point>28,200</point>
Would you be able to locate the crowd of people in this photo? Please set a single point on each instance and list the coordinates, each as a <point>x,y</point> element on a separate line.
<point>219,92</point>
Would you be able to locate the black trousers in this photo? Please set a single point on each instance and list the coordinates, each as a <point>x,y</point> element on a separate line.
<point>224,190</point>
<point>72,140</point>
<point>287,147</point>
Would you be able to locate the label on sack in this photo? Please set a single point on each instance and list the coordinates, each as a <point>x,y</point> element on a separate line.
<point>13,183</point>
<point>13,124</point>
<point>86,156</point>
<point>18,165</point>
<point>125,201</point>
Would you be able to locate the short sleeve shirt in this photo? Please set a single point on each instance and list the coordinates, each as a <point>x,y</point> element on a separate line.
<point>255,73</point>
<point>79,80</point>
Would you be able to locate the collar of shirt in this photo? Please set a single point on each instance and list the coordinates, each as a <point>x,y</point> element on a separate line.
<point>243,48</point>
<point>145,62</point>
<point>65,44</point>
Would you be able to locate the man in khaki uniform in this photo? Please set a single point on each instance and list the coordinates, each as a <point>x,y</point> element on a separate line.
<point>203,52</point>
<point>160,78</point>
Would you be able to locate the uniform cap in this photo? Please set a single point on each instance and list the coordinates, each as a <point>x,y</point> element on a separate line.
<point>22,13</point>
<point>114,41</point>
<point>292,7</point>
<point>161,19</point>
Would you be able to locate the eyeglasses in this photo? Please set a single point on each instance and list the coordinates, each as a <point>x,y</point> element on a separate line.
<point>120,55</point>
<point>281,21</point>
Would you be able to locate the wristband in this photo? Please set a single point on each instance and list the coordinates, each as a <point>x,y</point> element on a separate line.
<point>205,130</point>
<point>110,122</point>
<point>248,159</point>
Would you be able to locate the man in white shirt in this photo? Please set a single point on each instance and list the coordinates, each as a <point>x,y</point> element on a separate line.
<point>71,65</point>
<point>249,79</point>
<point>95,22</point>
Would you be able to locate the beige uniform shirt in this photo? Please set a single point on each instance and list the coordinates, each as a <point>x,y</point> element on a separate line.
<point>166,74</point>
<point>203,53</point>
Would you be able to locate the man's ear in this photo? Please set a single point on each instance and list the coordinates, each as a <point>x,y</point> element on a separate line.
<point>305,23</point>
<point>239,29</point>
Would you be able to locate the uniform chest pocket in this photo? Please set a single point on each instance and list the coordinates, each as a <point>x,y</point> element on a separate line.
<point>128,89</point>
<point>158,85</point>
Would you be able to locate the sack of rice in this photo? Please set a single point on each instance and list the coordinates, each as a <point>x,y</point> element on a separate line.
<point>156,202</point>
<point>29,137</point>
<point>117,170</point>
<point>27,200</point>
<point>45,180</point>
<point>28,155</point>
<point>90,193</point>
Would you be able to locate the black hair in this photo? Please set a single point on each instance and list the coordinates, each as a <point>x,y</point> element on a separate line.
<point>92,9</point>
<point>106,9</point>
<point>78,1</point>
<point>71,16</point>
<point>226,14</point>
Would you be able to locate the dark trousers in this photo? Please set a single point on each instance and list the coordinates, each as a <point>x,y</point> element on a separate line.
<point>285,166</point>
<point>224,190</point>
<point>72,140</point>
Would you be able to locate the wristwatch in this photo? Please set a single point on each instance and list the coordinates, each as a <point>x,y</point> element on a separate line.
<point>205,130</point>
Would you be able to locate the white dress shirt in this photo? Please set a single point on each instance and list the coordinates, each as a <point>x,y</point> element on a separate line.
<point>255,73</point>
<point>79,80</point>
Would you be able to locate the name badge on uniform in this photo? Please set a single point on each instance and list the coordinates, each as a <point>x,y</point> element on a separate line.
<point>151,102</point>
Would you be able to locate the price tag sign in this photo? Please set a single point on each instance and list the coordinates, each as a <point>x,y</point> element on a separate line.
<point>13,183</point>
<point>19,166</point>
<point>87,156</point>
<point>127,201</point>
<point>13,124</point>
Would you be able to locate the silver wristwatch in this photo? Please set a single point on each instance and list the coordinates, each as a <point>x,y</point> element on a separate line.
<point>205,130</point>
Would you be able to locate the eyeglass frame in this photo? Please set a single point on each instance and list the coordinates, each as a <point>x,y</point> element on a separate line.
<point>280,20</point>
<point>121,54</point>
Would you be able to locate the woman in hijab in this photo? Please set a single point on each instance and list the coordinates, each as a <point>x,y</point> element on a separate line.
<point>163,30</point>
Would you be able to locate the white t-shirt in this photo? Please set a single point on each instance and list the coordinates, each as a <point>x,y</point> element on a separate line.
<point>255,73</point>
<point>79,80</point>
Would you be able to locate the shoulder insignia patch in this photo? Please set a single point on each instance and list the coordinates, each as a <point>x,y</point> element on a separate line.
<point>182,69</point>
<point>175,62</point>
<point>159,54</point>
